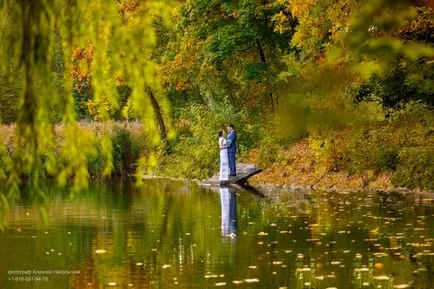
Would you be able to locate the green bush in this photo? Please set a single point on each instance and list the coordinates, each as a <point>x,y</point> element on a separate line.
<point>96,164</point>
<point>82,92</point>
<point>268,151</point>
<point>415,168</point>
<point>361,152</point>
<point>386,159</point>
<point>126,152</point>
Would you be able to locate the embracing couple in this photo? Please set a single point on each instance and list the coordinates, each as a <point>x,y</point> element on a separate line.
<point>228,148</point>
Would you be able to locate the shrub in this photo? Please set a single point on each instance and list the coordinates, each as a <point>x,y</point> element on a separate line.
<point>96,164</point>
<point>126,151</point>
<point>415,168</point>
<point>386,159</point>
<point>268,151</point>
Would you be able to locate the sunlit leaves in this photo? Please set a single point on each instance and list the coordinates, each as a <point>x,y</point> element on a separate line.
<point>58,47</point>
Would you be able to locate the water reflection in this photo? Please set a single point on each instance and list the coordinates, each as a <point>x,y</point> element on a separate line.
<point>228,201</point>
<point>169,235</point>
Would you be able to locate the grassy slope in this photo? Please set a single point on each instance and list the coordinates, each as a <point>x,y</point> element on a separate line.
<point>298,166</point>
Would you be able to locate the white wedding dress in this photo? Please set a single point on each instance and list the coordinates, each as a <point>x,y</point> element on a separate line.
<point>224,160</point>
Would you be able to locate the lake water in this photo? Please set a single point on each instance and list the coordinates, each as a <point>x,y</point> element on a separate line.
<point>172,235</point>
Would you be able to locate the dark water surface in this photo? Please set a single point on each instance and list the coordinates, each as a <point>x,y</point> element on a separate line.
<point>170,235</point>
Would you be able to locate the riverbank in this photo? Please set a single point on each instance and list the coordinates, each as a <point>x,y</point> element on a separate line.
<point>297,168</point>
<point>396,154</point>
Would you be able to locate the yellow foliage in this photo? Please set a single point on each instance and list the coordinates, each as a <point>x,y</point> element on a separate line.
<point>300,7</point>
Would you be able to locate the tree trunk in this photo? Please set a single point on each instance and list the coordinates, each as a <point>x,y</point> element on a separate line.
<point>160,120</point>
<point>264,61</point>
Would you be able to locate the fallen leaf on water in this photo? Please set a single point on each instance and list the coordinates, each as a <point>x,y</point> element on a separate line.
<point>100,251</point>
<point>380,255</point>
<point>382,278</point>
<point>401,286</point>
<point>379,266</point>
<point>165,266</point>
<point>252,280</point>
<point>220,284</point>
<point>375,231</point>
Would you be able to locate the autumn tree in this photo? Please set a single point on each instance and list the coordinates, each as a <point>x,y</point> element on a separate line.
<point>229,49</point>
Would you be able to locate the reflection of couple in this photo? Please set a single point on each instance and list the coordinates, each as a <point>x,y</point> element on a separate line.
<point>228,201</point>
<point>228,148</point>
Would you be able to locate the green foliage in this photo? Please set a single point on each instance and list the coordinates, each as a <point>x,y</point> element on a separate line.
<point>415,168</point>
<point>401,145</point>
<point>234,50</point>
<point>367,150</point>
<point>126,152</point>
<point>39,42</point>
<point>268,151</point>
<point>195,149</point>
<point>9,99</point>
<point>387,159</point>
<point>82,97</point>
<point>399,85</point>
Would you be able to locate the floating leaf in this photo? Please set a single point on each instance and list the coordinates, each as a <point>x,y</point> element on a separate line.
<point>382,278</point>
<point>379,266</point>
<point>252,280</point>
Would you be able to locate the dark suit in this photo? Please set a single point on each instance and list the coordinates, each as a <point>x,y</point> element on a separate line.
<point>232,149</point>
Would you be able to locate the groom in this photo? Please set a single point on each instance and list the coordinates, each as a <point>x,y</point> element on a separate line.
<point>232,149</point>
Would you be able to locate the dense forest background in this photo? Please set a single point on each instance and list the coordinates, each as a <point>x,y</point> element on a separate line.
<point>314,87</point>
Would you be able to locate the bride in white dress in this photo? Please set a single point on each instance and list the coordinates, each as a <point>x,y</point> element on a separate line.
<point>224,159</point>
